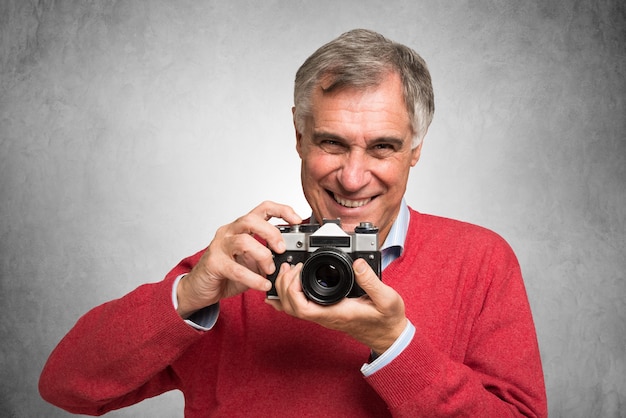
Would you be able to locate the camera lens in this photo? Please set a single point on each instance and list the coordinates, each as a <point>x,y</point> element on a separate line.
<point>327,276</point>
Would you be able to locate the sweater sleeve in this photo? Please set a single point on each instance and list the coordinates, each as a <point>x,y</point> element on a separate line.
<point>500,374</point>
<point>120,353</point>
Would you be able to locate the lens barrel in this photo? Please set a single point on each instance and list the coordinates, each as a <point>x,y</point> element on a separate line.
<point>327,276</point>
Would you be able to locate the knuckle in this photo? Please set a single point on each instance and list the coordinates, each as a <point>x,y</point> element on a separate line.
<point>245,222</point>
<point>267,203</point>
<point>264,207</point>
<point>239,241</point>
<point>222,231</point>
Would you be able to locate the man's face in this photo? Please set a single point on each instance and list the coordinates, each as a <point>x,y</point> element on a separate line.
<point>356,154</point>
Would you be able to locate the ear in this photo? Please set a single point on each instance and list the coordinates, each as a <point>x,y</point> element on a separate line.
<point>416,153</point>
<point>298,133</point>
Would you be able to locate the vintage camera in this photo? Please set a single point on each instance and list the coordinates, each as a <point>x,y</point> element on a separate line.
<point>327,253</point>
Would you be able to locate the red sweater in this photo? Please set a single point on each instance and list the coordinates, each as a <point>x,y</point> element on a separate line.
<point>474,352</point>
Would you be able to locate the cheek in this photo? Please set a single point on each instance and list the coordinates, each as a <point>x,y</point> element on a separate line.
<point>389,173</point>
<point>385,171</point>
<point>318,167</point>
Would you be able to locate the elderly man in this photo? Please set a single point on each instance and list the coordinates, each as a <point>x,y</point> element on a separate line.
<point>446,332</point>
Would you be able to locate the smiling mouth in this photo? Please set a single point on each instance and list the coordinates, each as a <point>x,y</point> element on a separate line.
<point>347,203</point>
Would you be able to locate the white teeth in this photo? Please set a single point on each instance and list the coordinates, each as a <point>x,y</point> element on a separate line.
<point>352,203</point>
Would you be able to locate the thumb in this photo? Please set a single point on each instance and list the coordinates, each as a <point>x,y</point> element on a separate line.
<point>366,278</point>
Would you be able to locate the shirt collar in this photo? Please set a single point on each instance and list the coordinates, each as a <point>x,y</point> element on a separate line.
<point>399,228</point>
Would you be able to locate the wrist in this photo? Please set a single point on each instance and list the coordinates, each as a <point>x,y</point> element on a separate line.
<point>184,296</point>
<point>378,362</point>
<point>383,344</point>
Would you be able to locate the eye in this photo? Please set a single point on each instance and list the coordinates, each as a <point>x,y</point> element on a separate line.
<point>383,149</point>
<point>332,146</point>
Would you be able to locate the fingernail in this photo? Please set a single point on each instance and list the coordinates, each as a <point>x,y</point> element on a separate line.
<point>271,268</point>
<point>360,266</point>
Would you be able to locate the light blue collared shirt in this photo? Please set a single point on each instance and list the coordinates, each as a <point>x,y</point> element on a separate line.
<point>393,246</point>
<point>391,249</point>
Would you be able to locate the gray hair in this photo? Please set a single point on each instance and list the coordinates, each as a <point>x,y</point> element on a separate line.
<point>360,59</point>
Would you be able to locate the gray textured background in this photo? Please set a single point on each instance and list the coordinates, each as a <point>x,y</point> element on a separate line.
<point>129,131</point>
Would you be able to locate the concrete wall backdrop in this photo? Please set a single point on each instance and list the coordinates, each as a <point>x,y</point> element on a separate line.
<point>129,131</point>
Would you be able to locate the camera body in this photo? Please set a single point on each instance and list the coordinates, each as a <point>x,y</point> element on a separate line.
<point>327,253</point>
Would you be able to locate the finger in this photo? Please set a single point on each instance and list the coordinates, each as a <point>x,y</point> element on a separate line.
<point>255,223</point>
<point>294,282</point>
<point>383,298</point>
<point>241,274</point>
<point>278,303</point>
<point>252,254</point>
<point>268,210</point>
<point>368,280</point>
<point>289,288</point>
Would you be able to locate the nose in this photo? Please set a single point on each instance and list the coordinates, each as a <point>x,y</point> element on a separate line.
<point>355,173</point>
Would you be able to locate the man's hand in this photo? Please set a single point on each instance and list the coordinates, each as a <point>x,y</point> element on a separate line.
<point>376,320</point>
<point>235,260</point>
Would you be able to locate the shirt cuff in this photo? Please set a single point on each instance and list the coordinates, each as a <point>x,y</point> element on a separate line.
<point>394,351</point>
<point>205,318</point>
